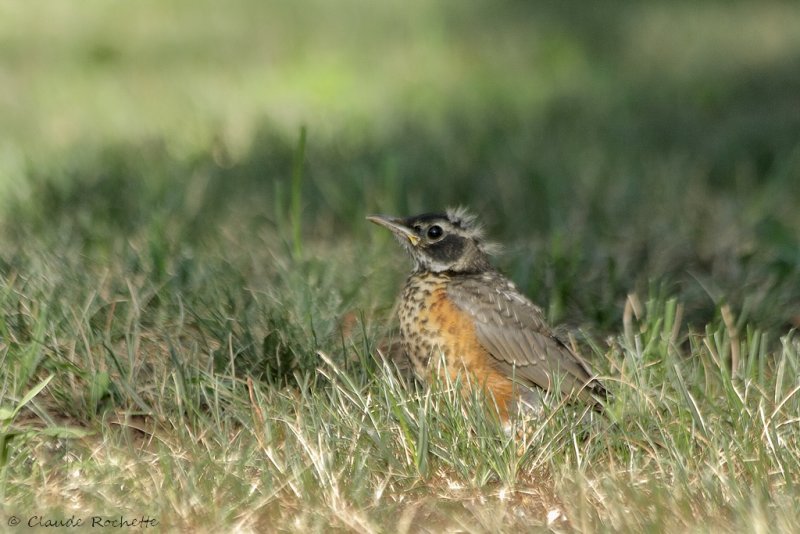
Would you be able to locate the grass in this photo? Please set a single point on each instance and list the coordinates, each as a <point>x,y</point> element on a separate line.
<point>193,309</point>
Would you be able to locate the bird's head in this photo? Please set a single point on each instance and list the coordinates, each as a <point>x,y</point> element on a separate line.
<point>441,242</point>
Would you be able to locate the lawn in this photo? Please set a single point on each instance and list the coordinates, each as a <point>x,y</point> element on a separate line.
<point>193,308</point>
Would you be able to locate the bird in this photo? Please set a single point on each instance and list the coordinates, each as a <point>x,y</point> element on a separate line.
<point>456,305</point>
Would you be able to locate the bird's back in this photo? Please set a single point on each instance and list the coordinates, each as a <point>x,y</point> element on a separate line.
<point>515,334</point>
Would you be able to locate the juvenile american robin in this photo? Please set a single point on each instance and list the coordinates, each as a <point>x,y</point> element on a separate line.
<point>455,304</point>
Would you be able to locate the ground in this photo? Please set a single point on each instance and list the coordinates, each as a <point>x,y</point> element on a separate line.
<point>193,309</point>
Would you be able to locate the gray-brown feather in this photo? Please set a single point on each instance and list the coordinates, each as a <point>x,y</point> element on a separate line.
<point>514,332</point>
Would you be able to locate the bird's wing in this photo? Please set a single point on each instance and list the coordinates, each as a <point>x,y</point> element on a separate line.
<point>513,331</point>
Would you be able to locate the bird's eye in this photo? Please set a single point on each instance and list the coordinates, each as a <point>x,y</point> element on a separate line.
<point>435,232</point>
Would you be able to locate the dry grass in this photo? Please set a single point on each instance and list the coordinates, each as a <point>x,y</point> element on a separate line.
<point>193,310</point>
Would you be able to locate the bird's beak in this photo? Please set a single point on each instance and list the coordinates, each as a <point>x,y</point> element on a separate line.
<point>396,226</point>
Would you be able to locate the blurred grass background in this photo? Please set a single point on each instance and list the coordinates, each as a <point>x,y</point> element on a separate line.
<point>607,146</point>
<point>159,222</point>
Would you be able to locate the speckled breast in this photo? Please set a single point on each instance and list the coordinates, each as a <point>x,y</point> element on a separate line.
<point>432,325</point>
<point>418,334</point>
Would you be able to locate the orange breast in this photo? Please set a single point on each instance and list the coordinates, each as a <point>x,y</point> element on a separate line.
<point>448,330</point>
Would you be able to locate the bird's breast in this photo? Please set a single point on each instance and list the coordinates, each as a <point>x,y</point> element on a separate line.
<point>432,327</point>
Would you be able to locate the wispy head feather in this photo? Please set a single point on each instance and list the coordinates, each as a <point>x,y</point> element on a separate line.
<point>468,223</point>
